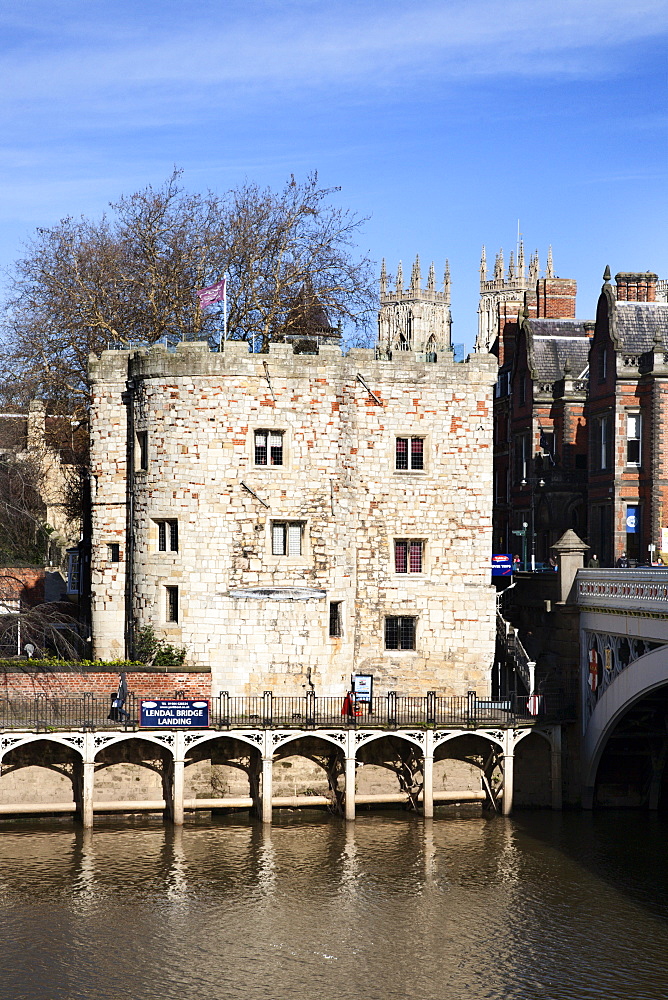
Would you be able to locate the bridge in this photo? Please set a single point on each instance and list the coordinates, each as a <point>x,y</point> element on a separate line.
<point>623,663</point>
<point>406,735</point>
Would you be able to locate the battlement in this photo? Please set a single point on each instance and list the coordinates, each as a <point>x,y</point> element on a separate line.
<point>195,359</point>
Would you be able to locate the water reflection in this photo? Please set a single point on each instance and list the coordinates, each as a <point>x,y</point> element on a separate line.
<point>388,907</point>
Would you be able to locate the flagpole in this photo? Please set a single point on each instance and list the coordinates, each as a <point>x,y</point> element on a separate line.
<point>224,330</point>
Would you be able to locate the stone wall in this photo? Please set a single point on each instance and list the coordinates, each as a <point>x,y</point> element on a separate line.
<point>190,417</point>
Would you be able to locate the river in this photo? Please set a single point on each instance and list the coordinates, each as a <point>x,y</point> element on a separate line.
<point>392,907</point>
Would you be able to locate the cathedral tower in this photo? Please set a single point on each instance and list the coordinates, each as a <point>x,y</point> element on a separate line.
<point>414,318</point>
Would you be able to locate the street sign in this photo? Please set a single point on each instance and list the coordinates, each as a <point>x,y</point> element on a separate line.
<point>173,714</point>
<point>502,565</point>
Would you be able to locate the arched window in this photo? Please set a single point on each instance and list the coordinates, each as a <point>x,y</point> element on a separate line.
<point>430,354</point>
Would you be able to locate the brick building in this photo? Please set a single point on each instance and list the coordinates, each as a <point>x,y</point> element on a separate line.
<point>292,519</point>
<point>540,437</point>
<point>628,421</point>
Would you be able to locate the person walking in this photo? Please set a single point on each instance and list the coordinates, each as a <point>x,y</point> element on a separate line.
<point>593,562</point>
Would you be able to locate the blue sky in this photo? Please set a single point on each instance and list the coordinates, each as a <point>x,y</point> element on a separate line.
<point>445,122</point>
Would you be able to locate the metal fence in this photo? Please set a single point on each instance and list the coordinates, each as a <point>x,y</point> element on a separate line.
<point>307,711</point>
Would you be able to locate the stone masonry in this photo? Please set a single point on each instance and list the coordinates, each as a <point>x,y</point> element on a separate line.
<point>190,519</point>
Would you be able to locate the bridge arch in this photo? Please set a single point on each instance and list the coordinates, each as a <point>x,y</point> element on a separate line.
<point>646,674</point>
<point>8,744</point>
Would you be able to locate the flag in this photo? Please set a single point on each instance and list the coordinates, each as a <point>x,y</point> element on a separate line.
<point>214,293</point>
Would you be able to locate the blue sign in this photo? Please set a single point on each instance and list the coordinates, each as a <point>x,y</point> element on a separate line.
<point>164,714</point>
<point>502,565</point>
<point>631,520</point>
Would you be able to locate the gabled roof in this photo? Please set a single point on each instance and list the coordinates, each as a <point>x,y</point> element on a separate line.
<point>553,344</point>
<point>637,324</point>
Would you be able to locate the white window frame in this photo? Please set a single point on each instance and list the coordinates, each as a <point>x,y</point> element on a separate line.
<point>287,539</point>
<point>409,542</point>
<point>409,457</point>
<point>636,439</point>
<point>272,433</point>
<point>604,432</point>
<point>167,532</point>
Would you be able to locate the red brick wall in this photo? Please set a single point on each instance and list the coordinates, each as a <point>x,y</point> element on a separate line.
<point>556,298</point>
<point>25,583</point>
<point>28,682</point>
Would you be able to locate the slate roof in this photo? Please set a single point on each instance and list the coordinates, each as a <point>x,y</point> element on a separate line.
<point>553,343</point>
<point>638,322</point>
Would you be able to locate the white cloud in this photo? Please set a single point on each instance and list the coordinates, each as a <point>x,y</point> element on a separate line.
<point>161,68</point>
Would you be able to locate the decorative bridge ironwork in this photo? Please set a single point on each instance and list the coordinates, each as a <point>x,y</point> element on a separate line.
<point>629,590</point>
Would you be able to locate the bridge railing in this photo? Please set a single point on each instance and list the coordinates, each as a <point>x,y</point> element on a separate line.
<point>308,711</point>
<point>624,589</point>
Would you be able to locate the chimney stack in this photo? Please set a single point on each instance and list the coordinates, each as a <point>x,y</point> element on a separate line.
<point>636,287</point>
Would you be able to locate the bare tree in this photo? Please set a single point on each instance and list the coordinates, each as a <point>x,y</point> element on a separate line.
<point>24,534</point>
<point>84,285</point>
<point>291,255</point>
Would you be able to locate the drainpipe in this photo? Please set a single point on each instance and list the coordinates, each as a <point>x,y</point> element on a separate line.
<point>129,400</point>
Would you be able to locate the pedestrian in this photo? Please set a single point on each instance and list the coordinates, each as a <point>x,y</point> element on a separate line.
<point>593,562</point>
<point>348,707</point>
<point>623,561</point>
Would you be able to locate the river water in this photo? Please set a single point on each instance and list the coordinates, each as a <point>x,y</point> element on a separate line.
<point>541,905</point>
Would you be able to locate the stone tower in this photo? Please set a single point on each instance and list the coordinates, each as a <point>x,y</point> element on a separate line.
<point>414,318</point>
<point>503,294</point>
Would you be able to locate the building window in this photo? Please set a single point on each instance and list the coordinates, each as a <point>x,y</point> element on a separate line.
<point>602,450</point>
<point>335,619</point>
<point>168,536</point>
<point>400,633</point>
<point>286,538</point>
<point>409,453</point>
<point>603,364</point>
<point>142,451</point>
<point>269,447</point>
<point>172,604</point>
<point>523,390</point>
<point>408,555</point>
<point>633,427</point>
<point>114,552</point>
<point>522,456</point>
<point>73,572</point>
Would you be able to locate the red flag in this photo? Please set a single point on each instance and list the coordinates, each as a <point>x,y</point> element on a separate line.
<point>214,293</point>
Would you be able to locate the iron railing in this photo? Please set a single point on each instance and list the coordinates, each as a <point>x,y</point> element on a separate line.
<point>308,711</point>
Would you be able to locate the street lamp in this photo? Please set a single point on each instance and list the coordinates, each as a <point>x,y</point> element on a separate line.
<point>532,483</point>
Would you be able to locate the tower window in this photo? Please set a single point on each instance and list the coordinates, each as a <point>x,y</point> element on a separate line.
<point>408,555</point>
<point>335,619</point>
<point>168,536</point>
<point>114,551</point>
<point>409,453</point>
<point>172,604</point>
<point>400,632</point>
<point>141,461</point>
<point>286,538</point>
<point>268,447</point>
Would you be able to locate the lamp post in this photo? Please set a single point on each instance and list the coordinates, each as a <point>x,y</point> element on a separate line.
<point>532,482</point>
